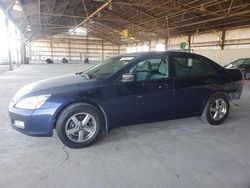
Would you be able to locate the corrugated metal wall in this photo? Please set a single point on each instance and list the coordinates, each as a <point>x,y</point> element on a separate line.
<point>74,48</point>
<point>236,45</point>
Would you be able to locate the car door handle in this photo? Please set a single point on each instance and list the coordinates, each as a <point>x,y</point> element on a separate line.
<point>164,86</point>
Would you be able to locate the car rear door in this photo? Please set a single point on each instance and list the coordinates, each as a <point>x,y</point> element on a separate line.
<point>194,81</point>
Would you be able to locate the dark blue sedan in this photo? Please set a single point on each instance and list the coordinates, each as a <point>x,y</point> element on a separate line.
<point>126,89</point>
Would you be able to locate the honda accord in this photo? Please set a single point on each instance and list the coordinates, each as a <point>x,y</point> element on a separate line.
<point>126,89</point>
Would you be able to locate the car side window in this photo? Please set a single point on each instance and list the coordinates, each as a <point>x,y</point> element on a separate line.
<point>186,67</point>
<point>248,62</point>
<point>151,69</point>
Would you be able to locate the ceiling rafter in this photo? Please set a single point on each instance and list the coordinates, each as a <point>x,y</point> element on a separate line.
<point>144,19</point>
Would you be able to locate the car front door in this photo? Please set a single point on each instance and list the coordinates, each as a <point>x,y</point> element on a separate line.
<point>194,81</point>
<point>148,97</point>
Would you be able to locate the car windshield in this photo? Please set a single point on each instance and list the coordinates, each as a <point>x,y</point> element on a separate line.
<point>107,68</point>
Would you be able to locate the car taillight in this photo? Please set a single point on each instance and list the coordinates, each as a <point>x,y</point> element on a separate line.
<point>242,81</point>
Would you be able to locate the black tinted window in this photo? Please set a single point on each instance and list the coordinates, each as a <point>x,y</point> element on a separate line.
<point>189,67</point>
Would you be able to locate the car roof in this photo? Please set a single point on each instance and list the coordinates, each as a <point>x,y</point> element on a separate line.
<point>142,54</point>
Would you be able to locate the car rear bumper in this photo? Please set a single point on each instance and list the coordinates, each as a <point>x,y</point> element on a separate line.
<point>33,122</point>
<point>236,94</point>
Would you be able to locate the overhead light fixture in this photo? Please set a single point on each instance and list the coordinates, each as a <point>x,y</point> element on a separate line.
<point>29,28</point>
<point>91,21</point>
<point>202,7</point>
<point>110,7</point>
<point>17,6</point>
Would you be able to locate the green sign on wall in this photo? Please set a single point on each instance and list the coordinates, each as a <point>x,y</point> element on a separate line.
<point>183,45</point>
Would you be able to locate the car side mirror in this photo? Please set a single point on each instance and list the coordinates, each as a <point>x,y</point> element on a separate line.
<point>127,77</point>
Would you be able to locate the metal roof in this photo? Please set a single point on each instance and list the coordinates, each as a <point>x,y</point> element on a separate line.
<point>144,19</point>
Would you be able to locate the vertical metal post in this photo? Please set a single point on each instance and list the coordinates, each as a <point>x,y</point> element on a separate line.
<point>87,45</point>
<point>22,59</point>
<point>51,49</point>
<point>17,47</point>
<point>69,48</point>
<point>102,50</point>
<point>222,42</point>
<point>8,40</point>
<point>166,43</point>
<point>189,42</point>
<point>119,46</point>
<point>30,56</point>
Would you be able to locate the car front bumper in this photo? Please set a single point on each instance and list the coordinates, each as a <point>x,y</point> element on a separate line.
<point>39,122</point>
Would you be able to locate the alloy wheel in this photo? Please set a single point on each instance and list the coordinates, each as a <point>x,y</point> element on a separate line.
<point>80,127</point>
<point>218,109</point>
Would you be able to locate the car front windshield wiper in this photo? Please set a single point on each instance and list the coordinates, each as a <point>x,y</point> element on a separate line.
<point>101,76</point>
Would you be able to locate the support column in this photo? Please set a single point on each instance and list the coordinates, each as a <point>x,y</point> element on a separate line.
<point>8,41</point>
<point>166,43</point>
<point>69,48</point>
<point>29,55</point>
<point>87,45</point>
<point>189,42</point>
<point>51,49</point>
<point>23,50</point>
<point>222,41</point>
<point>17,47</point>
<point>102,50</point>
<point>119,46</point>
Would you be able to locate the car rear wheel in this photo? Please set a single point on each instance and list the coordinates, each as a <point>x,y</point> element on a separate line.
<point>216,109</point>
<point>79,125</point>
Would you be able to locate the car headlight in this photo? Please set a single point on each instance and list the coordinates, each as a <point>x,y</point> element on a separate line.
<point>32,102</point>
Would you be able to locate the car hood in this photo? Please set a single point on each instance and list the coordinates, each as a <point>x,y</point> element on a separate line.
<point>53,85</point>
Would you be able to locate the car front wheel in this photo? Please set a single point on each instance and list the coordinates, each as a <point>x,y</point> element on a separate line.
<point>79,125</point>
<point>216,109</point>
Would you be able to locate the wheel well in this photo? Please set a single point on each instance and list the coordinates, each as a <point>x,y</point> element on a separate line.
<point>213,94</point>
<point>99,108</point>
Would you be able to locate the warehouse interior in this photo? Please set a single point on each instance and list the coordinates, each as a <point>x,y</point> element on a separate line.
<point>175,153</point>
<point>101,29</point>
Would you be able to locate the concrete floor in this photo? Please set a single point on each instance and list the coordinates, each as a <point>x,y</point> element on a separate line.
<point>178,153</point>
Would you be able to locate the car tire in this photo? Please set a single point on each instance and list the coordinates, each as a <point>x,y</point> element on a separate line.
<point>247,75</point>
<point>216,109</point>
<point>79,125</point>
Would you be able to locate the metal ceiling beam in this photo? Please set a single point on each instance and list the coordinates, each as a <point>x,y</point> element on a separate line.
<point>196,10</point>
<point>220,26</point>
<point>85,9</point>
<point>134,4</point>
<point>132,10</point>
<point>211,19</point>
<point>230,7</point>
<point>118,17</point>
<point>105,5</point>
<point>178,13</point>
<point>194,18</point>
<point>53,6</point>
<point>39,14</point>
